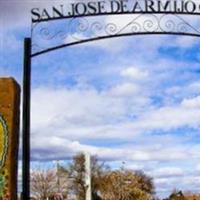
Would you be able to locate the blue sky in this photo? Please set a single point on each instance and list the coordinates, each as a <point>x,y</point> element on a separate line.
<point>134,100</point>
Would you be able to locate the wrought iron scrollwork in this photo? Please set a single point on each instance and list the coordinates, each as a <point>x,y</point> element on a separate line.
<point>111,28</point>
<point>85,29</point>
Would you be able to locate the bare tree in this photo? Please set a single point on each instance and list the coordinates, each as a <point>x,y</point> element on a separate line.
<point>43,183</point>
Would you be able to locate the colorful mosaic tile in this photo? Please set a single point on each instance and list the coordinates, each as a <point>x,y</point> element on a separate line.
<point>3,153</point>
<point>9,137</point>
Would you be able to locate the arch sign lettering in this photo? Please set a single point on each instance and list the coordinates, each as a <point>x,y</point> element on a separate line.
<point>71,24</point>
<point>78,22</point>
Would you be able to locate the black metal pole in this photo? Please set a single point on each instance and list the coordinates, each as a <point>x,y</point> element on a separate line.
<point>26,120</point>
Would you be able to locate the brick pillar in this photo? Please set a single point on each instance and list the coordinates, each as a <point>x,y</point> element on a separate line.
<point>9,137</point>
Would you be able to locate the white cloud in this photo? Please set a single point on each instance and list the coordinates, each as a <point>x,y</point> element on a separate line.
<point>195,181</point>
<point>168,172</point>
<point>198,167</point>
<point>166,118</point>
<point>87,112</point>
<point>122,112</point>
<point>192,103</point>
<point>126,89</point>
<point>135,73</point>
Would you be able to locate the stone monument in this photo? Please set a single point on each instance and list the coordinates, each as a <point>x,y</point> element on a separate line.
<point>9,137</point>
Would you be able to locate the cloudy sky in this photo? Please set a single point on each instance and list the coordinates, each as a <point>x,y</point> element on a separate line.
<point>132,99</point>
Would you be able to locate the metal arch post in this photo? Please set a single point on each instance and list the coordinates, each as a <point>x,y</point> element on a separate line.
<point>26,120</point>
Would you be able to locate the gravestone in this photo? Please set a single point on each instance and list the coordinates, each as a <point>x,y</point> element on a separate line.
<point>9,137</point>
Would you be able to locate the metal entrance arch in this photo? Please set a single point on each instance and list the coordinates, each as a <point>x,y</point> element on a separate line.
<point>88,28</point>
